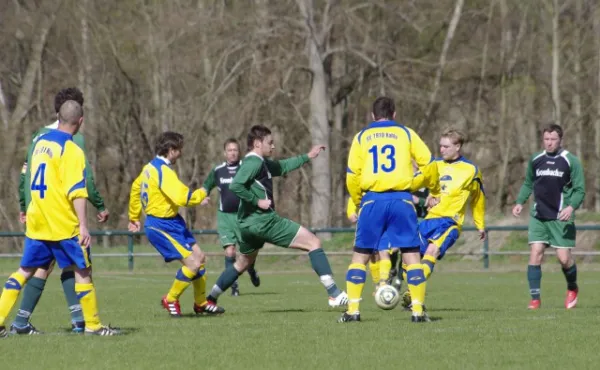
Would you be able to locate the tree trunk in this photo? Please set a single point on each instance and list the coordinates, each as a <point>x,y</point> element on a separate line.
<point>556,62</point>
<point>577,77</point>
<point>597,120</point>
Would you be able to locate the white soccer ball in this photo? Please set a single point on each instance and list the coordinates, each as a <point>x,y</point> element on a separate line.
<point>387,297</point>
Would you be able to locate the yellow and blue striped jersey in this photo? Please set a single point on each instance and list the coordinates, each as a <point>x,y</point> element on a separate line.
<point>381,157</point>
<point>160,193</point>
<point>58,177</point>
<point>459,180</point>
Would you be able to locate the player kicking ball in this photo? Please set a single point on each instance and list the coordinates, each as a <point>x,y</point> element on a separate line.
<point>459,181</point>
<point>160,193</point>
<point>260,224</point>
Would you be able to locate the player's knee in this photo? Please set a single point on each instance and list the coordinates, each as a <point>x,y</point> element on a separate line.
<point>433,250</point>
<point>26,272</point>
<point>230,251</point>
<point>313,243</point>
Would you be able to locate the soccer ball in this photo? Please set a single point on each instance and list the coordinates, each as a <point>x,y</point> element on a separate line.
<point>387,297</point>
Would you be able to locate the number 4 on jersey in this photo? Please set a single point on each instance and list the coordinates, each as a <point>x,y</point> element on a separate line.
<point>38,183</point>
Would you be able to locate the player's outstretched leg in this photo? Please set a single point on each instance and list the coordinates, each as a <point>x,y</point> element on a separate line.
<point>229,261</point>
<point>12,288</point>
<point>254,278</point>
<point>307,241</point>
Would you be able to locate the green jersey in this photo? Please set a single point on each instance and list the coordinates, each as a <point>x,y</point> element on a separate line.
<point>25,178</point>
<point>254,181</point>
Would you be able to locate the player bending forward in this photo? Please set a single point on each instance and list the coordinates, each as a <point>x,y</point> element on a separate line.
<point>160,193</point>
<point>260,224</point>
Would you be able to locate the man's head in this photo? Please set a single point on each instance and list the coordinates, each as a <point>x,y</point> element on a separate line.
<point>383,109</point>
<point>70,117</point>
<point>169,145</point>
<point>70,93</point>
<point>232,150</point>
<point>260,141</point>
<point>451,143</point>
<point>552,135</point>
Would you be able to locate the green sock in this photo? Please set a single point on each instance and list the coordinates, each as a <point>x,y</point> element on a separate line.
<point>229,261</point>
<point>320,263</point>
<point>224,282</point>
<point>67,279</point>
<point>534,275</point>
<point>571,276</point>
<point>31,296</point>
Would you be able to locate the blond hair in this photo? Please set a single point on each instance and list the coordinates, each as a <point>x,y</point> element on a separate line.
<point>456,136</point>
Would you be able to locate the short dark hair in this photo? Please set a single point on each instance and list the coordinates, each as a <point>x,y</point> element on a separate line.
<point>383,108</point>
<point>70,93</point>
<point>553,127</point>
<point>257,132</point>
<point>166,141</point>
<point>231,140</point>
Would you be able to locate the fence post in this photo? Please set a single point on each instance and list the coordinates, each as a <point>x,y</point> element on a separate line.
<point>130,251</point>
<point>486,249</point>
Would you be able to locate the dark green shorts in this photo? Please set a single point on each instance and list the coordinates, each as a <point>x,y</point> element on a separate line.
<point>555,233</point>
<point>267,228</point>
<point>228,229</point>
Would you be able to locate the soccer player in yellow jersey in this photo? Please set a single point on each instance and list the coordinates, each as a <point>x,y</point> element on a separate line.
<point>160,193</point>
<point>56,219</point>
<point>379,179</point>
<point>460,180</point>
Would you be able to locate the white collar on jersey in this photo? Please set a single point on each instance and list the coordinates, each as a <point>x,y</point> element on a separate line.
<point>164,159</point>
<point>254,154</point>
<point>53,125</point>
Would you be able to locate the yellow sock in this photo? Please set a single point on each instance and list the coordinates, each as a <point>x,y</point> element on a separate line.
<point>10,294</point>
<point>199,282</point>
<point>355,282</point>
<point>428,263</point>
<point>404,266</point>
<point>374,267</point>
<point>416,286</point>
<point>86,293</point>
<point>183,279</point>
<point>384,270</point>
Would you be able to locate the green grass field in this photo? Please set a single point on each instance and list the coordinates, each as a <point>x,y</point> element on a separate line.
<point>480,321</point>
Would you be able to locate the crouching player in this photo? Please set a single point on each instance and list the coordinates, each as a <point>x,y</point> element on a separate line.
<point>160,193</point>
<point>459,181</point>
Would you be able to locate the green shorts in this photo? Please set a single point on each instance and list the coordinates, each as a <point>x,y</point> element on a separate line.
<point>267,228</point>
<point>555,233</point>
<point>228,229</point>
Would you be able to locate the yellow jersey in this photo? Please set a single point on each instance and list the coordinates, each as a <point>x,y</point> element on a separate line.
<point>351,208</point>
<point>160,193</point>
<point>459,180</point>
<point>380,159</point>
<point>57,178</point>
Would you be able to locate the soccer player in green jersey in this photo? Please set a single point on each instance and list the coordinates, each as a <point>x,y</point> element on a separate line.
<point>260,224</point>
<point>555,177</point>
<point>221,177</point>
<point>33,290</point>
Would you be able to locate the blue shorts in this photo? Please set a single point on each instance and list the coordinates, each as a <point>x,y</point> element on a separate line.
<point>442,232</point>
<point>40,253</point>
<point>388,215</point>
<point>170,237</point>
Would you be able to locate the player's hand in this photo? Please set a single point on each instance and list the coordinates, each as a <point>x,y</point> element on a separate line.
<point>482,234</point>
<point>134,226</point>
<point>22,217</point>
<point>103,216</point>
<point>517,209</point>
<point>431,202</point>
<point>565,213</point>
<point>353,218</point>
<point>205,201</point>
<point>84,236</point>
<point>264,204</point>
<point>314,152</point>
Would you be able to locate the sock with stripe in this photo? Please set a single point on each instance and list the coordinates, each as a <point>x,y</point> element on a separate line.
<point>183,279</point>
<point>31,296</point>
<point>12,288</point>
<point>355,283</point>
<point>86,293</point>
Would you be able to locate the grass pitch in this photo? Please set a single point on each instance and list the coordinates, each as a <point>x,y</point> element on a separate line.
<point>480,322</point>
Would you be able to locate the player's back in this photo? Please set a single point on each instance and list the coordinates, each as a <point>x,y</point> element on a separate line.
<point>156,175</point>
<point>457,180</point>
<point>383,153</point>
<point>57,178</point>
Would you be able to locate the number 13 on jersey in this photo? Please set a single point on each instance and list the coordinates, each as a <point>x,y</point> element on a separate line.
<point>384,158</point>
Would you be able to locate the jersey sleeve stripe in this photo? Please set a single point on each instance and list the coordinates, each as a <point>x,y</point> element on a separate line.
<point>348,170</point>
<point>79,185</point>
<point>189,196</point>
